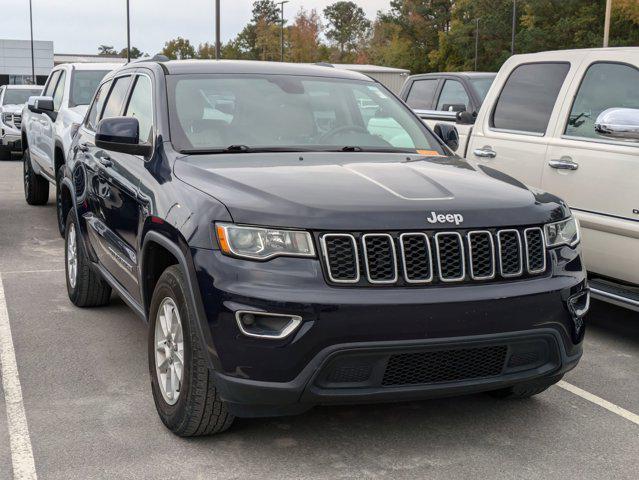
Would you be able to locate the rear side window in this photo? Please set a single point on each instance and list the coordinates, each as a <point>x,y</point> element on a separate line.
<point>453,97</point>
<point>528,97</point>
<point>116,98</point>
<point>58,93</point>
<point>605,85</point>
<point>98,103</point>
<point>422,93</point>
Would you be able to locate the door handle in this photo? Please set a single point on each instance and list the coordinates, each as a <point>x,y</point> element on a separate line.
<point>83,147</point>
<point>485,152</point>
<point>563,163</point>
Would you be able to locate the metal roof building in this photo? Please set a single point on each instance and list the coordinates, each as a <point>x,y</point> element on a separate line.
<point>15,61</point>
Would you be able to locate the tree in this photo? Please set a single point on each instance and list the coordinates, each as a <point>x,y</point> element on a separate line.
<point>348,26</point>
<point>206,51</point>
<point>107,50</point>
<point>179,48</point>
<point>304,37</point>
<point>135,53</point>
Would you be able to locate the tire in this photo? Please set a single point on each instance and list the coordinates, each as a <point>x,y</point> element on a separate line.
<point>5,154</point>
<point>526,389</point>
<point>62,221</point>
<point>36,188</point>
<point>196,408</point>
<point>85,288</point>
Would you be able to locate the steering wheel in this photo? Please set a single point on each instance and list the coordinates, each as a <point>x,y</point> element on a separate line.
<point>342,129</point>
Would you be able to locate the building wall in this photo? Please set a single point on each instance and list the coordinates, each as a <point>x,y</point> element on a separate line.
<point>15,60</point>
<point>393,81</point>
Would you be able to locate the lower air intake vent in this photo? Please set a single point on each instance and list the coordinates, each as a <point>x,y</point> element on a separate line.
<point>444,366</point>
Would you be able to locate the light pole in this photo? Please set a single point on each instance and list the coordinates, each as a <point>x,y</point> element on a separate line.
<point>607,23</point>
<point>217,30</point>
<point>128,33</point>
<point>33,76</point>
<point>512,41</point>
<point>476,40</point>
<point>281,4</point>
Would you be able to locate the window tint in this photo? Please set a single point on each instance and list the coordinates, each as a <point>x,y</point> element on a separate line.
<point>421,94</point>
<point>83,85</point>
<point>59,92</point>
<point>528,98</point>
<point>481,86</point>
<point>141,107</point>
<point>605,85</point>
<point>53,80</point>
<point>115,101</point>
<point>92,117</point>
<point>453,97</point>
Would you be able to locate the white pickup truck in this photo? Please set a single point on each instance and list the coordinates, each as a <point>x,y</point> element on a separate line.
<point>48,125</point>
<point>567,122</point>
<point>12,100</point>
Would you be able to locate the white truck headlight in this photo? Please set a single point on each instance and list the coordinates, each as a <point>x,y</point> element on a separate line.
<point>6,117</point>
<point>565,232</point>
<point>263,243</point>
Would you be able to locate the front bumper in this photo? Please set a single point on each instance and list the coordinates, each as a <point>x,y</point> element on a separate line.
<point>351,337</point>
<point>10,139</point>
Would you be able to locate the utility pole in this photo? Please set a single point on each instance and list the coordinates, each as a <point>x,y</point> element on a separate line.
<point>512,41</point>
<point>282,30</point>
<point>607,23</point>
<point>128,33</point>
<point>33,75</point>
<point>476,40</point>
<point>217,30</point>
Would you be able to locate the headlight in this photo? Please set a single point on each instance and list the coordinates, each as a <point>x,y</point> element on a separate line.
<point>263,243</point>
<point>565,232</point>
<point>6,117</point>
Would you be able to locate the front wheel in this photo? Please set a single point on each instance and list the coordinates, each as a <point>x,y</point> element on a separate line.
<point>84,286</point>
<point>36,188</point>
<point>182,383</point>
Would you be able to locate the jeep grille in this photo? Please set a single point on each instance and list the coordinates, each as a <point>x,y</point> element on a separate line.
<point>424,258</point>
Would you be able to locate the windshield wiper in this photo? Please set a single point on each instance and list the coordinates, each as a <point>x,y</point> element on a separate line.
<point>349,148</point>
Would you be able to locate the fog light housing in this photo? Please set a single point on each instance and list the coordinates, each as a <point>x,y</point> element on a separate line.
<point>274,326</point>
<point>578,305</point>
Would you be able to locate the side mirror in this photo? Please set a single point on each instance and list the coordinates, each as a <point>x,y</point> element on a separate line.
<point>448,134</point>
<point>618,123</point>
<point>121,134</point>
<point>40,104</point>
<point>465,118</point>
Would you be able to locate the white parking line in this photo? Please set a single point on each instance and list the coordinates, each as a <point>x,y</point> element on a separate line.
<point>19,272</point>
<point>19,440</point>
<point>622,412</point>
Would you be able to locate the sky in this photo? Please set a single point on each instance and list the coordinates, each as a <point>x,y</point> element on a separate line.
<point>79,26</point>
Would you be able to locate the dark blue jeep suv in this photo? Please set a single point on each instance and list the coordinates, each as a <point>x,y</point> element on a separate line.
<point>295,236</point>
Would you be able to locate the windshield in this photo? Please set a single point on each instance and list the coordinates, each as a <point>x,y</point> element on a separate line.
<point>211,113</point>
<point>482,85</point>
<point>83,86</point>
<point>18,96</point>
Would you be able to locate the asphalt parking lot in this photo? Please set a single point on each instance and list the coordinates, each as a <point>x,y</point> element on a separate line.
<point>90,414</point>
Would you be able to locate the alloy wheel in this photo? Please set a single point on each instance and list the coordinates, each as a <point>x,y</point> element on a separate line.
<point>72,256</point>
<point>169,350</point>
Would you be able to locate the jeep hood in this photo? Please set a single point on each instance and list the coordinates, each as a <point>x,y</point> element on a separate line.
<point>364,191</point>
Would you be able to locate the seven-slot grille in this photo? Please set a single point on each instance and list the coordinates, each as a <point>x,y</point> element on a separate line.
<point>414,258</point>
